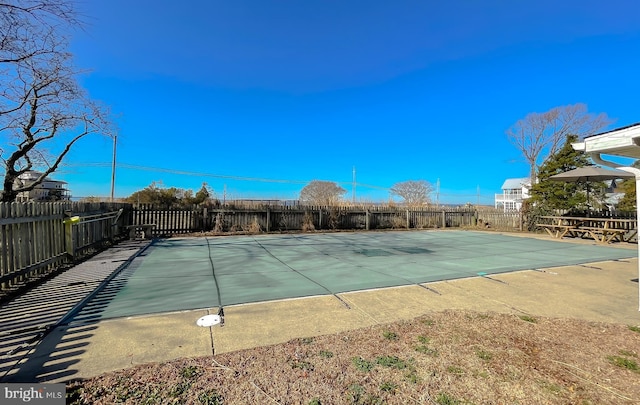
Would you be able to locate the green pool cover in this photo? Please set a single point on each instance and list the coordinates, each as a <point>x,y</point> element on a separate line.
<point>187,273</point>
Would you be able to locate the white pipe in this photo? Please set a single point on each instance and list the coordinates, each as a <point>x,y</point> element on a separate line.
<point>596,158</point>
<point>635,171</point>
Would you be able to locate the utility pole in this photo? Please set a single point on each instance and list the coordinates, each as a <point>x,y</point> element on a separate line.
<point>353,186</point>
<point>113,166</point>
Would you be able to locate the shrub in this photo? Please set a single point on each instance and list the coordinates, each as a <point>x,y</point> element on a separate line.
<point>398,222</point>
<point>219,223</point>
<point>307,223</point>
<point>254,227</point>
<point>335,218</point>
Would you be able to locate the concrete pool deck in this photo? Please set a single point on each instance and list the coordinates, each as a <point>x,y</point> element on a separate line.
<point>604,291</point>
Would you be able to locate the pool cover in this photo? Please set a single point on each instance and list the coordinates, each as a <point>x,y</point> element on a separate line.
<point>187,273</point>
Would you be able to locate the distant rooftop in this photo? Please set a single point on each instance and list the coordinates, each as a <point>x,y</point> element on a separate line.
<point>510,184</point>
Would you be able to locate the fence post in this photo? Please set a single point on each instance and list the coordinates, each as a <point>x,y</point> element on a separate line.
<point>520,220</point>
<point>205,219</point>
<point>408,222</point>
<point>444,219</point>
<point>68,235</point>
<point>268,218</point>
<point>367,220</point>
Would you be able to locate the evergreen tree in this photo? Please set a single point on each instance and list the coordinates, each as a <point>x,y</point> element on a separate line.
<point>549,195</point>
<point>628,201</point>
<point>203,195</point>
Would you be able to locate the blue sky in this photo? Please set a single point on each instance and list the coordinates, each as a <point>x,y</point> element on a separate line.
<point>304,90</point>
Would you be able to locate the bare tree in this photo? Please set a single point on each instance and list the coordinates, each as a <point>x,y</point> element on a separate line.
<point>43,110</point>
<point>415,193</point>
<point>321,193</point>
<point>540,135</point>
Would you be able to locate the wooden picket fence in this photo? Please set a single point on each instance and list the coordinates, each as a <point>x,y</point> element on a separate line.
<point>172,221</point>
<point>37,239</point>
<point>169,221</point>
<point>499,220</point>
<point>273,218</point>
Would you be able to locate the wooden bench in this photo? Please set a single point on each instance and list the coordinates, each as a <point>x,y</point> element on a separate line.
<point>559,231</point>
<point>142,231</point>
<point>603,235</point>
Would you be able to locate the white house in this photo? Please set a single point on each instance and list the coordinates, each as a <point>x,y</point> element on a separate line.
<point>513,192</point>
<point>48,190</point>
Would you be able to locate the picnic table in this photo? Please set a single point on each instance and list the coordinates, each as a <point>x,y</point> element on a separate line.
<point>602,230</point>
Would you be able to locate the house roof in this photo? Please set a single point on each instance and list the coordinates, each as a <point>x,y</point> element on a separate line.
<point>624,141</point>
<point>510,184</point>
<point>32,175</point>
<point>614,130</point>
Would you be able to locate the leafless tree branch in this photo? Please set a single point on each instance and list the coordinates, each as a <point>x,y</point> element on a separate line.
<point>415,193</point>
<point>540,135</point>
<point>43,110</point>
<point>321,193</point>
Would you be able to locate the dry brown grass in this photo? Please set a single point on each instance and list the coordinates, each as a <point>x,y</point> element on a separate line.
<point>307,223</point>
<point>451,357</point>
<point>253,228</point>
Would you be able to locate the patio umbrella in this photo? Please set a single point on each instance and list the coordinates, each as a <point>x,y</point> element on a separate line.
<point>590,173</point>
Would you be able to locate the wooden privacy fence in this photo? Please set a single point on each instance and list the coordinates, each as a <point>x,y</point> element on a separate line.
<point>269,219</point>
<point>169,221</point>
<point>500,220</point>
<point>38,238</point>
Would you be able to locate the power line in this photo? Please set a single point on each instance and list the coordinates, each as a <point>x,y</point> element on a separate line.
<point>478,196</point>
<point>201,174</point>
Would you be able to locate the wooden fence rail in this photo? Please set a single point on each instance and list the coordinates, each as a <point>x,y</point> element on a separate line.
<point>39,238</point>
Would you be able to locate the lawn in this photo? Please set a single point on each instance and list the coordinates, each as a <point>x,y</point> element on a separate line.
<point>450,357</point>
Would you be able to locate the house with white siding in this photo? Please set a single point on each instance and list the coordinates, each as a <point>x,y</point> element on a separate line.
<point>513,192</point>
<point>48,190</point>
